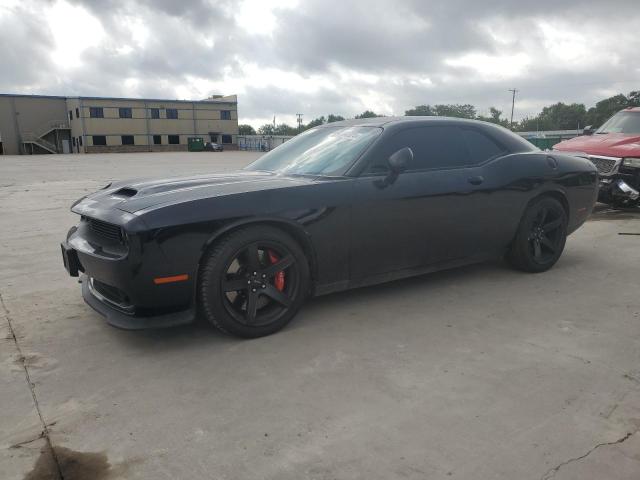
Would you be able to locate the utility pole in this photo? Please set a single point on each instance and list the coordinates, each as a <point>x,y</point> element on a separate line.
<point>513,103</point>
<point>299,115</point>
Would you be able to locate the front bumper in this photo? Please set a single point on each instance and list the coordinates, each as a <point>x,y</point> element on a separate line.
<point>118,281</point>
<point>119,318</point>
<point>615,188</point>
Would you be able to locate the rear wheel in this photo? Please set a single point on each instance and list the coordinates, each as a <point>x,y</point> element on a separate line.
<point>253,281</point>
<point>541,236</point>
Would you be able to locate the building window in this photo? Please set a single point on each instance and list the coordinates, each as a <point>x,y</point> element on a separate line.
<point>80,141</point>
<point>225,114</point>
<point>227,139</point>
<point>174,139</point>
<point>70,115</point>
<point>99,140</point>
<point>127,140</point>
<point>96,112</point>
<point>73,141</point>
<point>172,113</point>
<point>155,113</point>
<point>125,112</point>
<point>157,139</point>
<point>77,112</point>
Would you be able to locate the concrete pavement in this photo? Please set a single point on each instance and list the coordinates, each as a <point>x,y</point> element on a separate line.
<point>477,373</point>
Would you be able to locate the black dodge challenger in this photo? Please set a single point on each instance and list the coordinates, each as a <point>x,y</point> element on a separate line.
<point>340,206</point>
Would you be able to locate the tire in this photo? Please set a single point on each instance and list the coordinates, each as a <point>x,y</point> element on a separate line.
<point>253,281</point>
<point>541,236</point>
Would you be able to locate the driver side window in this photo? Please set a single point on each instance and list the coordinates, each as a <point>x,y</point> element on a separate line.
<point>433,147</point>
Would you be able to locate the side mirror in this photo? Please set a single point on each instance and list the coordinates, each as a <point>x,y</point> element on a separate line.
<point>398,163</point>
<point>588,130</point>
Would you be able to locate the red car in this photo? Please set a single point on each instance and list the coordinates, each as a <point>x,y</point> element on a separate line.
<point>614,148</point>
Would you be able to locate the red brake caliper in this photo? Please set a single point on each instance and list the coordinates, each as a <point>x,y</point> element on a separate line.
<point>279,277</point>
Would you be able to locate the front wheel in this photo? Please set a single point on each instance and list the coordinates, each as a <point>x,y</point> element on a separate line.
<point>253,281</point>
<point>541,236</point>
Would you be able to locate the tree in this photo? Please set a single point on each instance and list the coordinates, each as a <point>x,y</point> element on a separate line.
<point>245,129</point>
<point>444,110</point>
<point>604,109</point>
<point>494,117</point>
<point>420,111</point>
<point>284,129</point>
<point>334,118</point>
<point>281,129</point>
<point>368,114</point>
<point>266,129</point>
<point>315,122</point>
<point>495,114</point>
<point>559,116</point>
<point>634,98</point>
<point>456,110</point>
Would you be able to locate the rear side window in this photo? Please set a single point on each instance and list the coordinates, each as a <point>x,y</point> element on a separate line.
<point>481,147</point>
<point>433,147</point>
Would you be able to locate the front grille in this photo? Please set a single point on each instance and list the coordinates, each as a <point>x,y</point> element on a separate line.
<point>105,230</point>
<point>603,164</point>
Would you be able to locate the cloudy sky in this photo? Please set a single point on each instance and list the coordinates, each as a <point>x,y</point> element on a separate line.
<point>324,56</point>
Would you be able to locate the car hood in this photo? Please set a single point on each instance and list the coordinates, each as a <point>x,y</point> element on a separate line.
<point>608,144</point>
<point>135,195</point>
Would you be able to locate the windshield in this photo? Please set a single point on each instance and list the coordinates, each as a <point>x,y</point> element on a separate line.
<point>622,122</point>
<point>321,151</point>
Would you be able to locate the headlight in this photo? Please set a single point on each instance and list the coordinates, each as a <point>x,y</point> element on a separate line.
<point>631,162</point>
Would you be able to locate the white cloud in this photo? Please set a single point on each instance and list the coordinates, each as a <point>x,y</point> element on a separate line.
<point>493,67</point>
<point>74,30</point>
<point>257,17</point>
<point>323,56</point>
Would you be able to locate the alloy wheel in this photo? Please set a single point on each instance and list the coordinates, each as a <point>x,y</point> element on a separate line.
<point>546,234</point>
<point>260,283</point>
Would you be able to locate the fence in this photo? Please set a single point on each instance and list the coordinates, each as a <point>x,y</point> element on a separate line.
<point>262,143</point>
<point>546,140</point>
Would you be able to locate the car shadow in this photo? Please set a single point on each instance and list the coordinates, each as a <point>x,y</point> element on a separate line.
<point>340,304</point>
<point>202,334</point>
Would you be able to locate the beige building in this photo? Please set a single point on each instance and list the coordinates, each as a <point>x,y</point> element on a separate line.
<point>45,124</point>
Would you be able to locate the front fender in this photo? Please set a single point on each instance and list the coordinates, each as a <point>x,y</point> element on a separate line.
<point>293,228</point>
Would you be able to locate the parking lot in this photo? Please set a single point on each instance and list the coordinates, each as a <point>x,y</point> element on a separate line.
<point>477,373</point>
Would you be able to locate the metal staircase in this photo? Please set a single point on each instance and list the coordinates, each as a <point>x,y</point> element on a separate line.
<point>30,138</point>
<point>37,136</point>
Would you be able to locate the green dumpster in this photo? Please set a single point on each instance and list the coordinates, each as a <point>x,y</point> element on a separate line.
<point>545,143</point>
<point>195,144</point>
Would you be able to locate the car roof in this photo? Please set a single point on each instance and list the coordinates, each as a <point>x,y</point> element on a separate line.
<point>380,121</point>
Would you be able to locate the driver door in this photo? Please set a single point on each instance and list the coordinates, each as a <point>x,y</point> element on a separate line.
<point>432,213</point>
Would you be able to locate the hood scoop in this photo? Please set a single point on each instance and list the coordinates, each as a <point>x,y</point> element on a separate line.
<point>125,192</point>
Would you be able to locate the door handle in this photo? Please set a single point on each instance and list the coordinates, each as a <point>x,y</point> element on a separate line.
<point>476,180</point>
